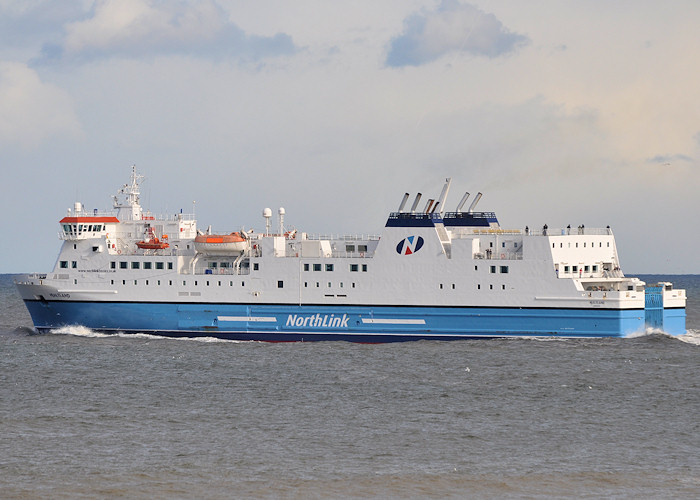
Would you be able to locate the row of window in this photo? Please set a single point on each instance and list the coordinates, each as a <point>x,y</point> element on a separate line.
<point>141,265</point>
<point>329,267</point>
<point>584,269</point>
<point>280,283</point>
<point>478,287</point>
<point>82,228</point>
<point>600,244</point>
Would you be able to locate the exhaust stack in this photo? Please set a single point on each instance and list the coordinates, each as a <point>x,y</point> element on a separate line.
<point>443,195</point>
<point>462,202</point>
<point>403,202</point>
<point>415,203</point>
<point>476,200</point>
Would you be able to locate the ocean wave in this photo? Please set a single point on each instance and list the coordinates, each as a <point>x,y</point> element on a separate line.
<point>689,337</point>
<point>83,331</point>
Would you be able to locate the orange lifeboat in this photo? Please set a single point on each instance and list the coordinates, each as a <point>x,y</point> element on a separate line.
<point>151,241</point>
<point>220,244</point>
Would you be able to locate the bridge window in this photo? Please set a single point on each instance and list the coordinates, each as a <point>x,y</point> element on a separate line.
<point>135,265</point>
<point>504,269</point>
<point>170,266</point>
<point>64,264</point>
<point>492,269</point>
<point>74,264</point>
<point>349,248</point>
<point>256,266</point>
<point>306,267</point>
<point>123,265</point>
<point>112,265</point>
<point>353,268</point>
<point>361,248</point>
<point>364,268</point>
<point>566,269</point>
<point>159,265</point>
<point>317,267</point>
<point>329,267</point>
<point>147,265</point>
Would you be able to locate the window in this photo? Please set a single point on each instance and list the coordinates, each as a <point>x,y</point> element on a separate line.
<point>170,266</point>
<point>504,269</point>
<point>317,284</point>
<point>170,282</point>
<point>74,264</point>
<point>280,284</point>
<point>476,268</point>
<point>361,248</point>
<point>219,283</point>
<point>111,282</point>
<point>349,248</point>
<point>306,267</point>
<point>353,285</point>
<point>329,284</point>
<point>440,286</point>
<point>453,286</point>
<point>147,282</point>
<point>490,287</point>
<point>595,269</point>
<point>329,267</point>
<point>492,269</point>
<point>364,268</point>
<point>212,265</point>
<point>503,287</point>
<point>195,282</point>
<point>123,265</point>
<point>256,266</point>
<point>158,282</point>
<point>136,282</point>
<point>135,265</point>
<point>147,265</point>
<point>577,244</point>
<point>353,267</point>
<point>503,244</point>
<point>159,265</point>
<point>306,284</point>
<point>317,267</point>
<point>478,287</point>
<point>574,269</point>
<point>586,269</point>
<point>95,249</point>
<point>242,283</point>
<point>112,265</point>
<point>123,282</point>
<point>566,269</point>
<point>64,264</point>
<point>490,244</point>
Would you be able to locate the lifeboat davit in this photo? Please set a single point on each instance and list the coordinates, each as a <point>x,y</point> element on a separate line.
<point>151,241</point>
<point>220,244</point>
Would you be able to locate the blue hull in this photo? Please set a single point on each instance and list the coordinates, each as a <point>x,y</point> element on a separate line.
<point>280,323</point>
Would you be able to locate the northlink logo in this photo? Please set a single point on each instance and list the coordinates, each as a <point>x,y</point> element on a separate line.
<point>318,320</point>
<point>409,245</point>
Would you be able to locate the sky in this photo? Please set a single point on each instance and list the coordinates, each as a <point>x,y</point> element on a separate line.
<point>560,112</point>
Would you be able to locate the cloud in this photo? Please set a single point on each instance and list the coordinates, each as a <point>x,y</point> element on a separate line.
<point>668,159</point>
<point>134,28</point>
<point>451,28</point>
<point>31,110</point>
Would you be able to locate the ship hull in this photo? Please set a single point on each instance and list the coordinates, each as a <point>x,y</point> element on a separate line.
<point>286,322</point>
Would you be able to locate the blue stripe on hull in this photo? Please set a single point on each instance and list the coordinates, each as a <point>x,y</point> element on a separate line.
<point>350,323</point>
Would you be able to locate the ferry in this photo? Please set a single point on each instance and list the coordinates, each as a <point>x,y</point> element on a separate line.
<point>431,274</point>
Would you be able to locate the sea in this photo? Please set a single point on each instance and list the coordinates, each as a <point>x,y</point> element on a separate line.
<point>86,415</point>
